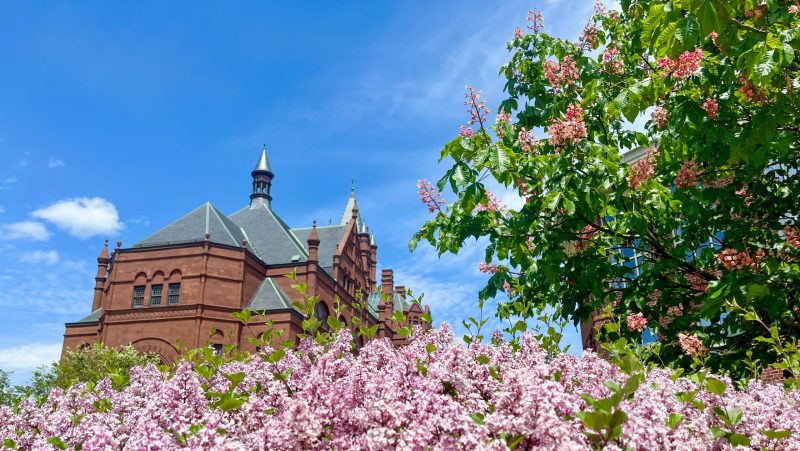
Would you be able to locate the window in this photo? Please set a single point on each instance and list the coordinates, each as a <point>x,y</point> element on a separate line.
<point>138,295</point>
<point>174,293</point>
<point>321,312</point>
<point>155,294</point>
<point>217,347</point>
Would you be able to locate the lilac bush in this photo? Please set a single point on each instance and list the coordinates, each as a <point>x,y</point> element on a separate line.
<point>432,393</point>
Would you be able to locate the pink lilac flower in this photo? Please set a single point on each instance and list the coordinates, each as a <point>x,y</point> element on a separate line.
<point>612,63</point>
<point>599,8</point>
<point>563,75</point>
<point>571,130</point>
<point>636,322</point>
<point>488,268</point>
<point>476,107</point>
<point>465,131</point>
<point>687,64</point>
<point>692,345</point>
<point>687,175</point>
<point>712,107</point>
<point>527,140</point>
<point>536,20</point>
<point>659,116</point>
<point>642,170</point>
<point>429,196</point>
<point>792,235</point>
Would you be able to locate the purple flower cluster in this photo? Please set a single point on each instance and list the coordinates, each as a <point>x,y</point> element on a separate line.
<point>433,393</point>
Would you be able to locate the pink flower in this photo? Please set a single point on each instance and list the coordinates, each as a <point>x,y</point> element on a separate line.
<point>429,195</point>
<point>659,116</point>
<point>588,36</point>
<point>502,121</point>
<point>692,345</point>
<point>712,107</point>
<point>476,107</point>
<point>636,322</point>
<point>488,268</point>
<point>713,36</point>
<point>794,9</point>
<point>749,91</point>
<point>584,238</point>
<point>599,8</point>
<point>688,63</point>
<point>696,283</point>
<point>612,63</point>
<point>507,287</point>
<point>492,203</point>
<point>642,170</point>
<point>675,310</point>
<point>465,131</point>
<point>518,33</point>
<point>527,140</point>
<point>687,175</point>
<point>571,130</point>
<point>734,260</point>
<point>561,76</point>
<point>536,20</point>
<point>792,235</point>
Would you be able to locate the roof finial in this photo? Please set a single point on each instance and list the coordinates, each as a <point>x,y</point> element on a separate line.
<point>353,185</point>
<point>262,182</point>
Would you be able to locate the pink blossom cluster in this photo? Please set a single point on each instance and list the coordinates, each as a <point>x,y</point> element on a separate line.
<point>587,233</point>
<point>492,203</point>
<point>688,174</point>
<point>518,33</point>
<point>563,75</point>
<point>692,345</point>
<point>642,170</point>
<point>502,121</point>
<point>659,116</point>
<point>735,260</point>
<point>749,91</point>
<point>476,107</point>
<point>612,63</point>
<point>687,64</point>
<point>571,130</point>
<point>429,195</point>
<point>536,20</point>
<point>696,283</point>
<point>792,235</point>
<point>636,322</point>
<point>432,394</point>
<point>465,131</point>
<point>527,140</point>
<point>712,107</point>
<point>599,8</point>
<point>488,268</point>
<point>713,36</point>
<point>794,9</point>
<point>588,36</point>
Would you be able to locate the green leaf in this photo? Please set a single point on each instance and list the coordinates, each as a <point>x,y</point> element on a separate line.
<point>777,434</point>
<point>715,386</point>
<point>55,441</point>
<point>477,417</point>
<point>739,440</point>
<point>482,359</point>
<point>674,419</point>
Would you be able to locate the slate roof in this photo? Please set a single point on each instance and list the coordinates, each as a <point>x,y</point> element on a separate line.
<point>91,318</point>
<point>269,296</point>
<point>193,227</point>
<point>329,238</point>
<point>272,239</point>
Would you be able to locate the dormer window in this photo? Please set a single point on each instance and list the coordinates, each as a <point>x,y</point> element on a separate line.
<point>138,295</point>
<point>174,293</point>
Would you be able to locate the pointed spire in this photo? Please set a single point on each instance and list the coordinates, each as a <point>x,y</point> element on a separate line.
<point>263,162</point>
<point>262,182</point>
<point>313,237</point>
<point>103,257</point>
<point>354,210</point>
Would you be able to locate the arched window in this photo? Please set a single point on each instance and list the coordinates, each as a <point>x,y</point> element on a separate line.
<point>321,312</point>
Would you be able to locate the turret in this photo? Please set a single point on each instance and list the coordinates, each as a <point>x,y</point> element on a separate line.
<point>100,277</point>
<point>262,182</point>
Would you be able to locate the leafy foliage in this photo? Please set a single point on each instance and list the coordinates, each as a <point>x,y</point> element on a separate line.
<point>698,232</point>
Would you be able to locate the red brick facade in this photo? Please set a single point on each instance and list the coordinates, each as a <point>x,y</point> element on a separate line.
<point>135,298</point>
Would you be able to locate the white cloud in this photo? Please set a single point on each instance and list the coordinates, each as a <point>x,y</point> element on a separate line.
<point>29,356</point>
<point>82,217</point>
<point>53,163</point>
<point>43,257</point>
<point>30,230</point>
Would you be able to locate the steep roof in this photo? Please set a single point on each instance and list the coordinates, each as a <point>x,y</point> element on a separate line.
<point>329,238</point>
<point>263,162</point>
<point>272,239</point>
<point>194,226</point>
<point>91,318</point>
<point>269,296</point>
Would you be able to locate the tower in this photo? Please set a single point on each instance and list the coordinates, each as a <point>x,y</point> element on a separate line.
<point>262,181</point>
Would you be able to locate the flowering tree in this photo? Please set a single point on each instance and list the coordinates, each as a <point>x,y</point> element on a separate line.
<point>696,238</point>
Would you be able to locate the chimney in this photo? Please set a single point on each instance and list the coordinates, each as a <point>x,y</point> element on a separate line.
<point>100,277</point>
<point>401,290</point>
<point>387,282</point>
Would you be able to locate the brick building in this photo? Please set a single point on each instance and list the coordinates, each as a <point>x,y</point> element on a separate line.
<point>181,284</point>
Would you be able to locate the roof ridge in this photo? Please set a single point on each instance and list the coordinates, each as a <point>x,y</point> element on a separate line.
<point>288,232</point>
<point>171,223</point>
<point>222,221</point>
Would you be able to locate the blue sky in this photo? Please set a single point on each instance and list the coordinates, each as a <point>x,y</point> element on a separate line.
<point>117,118</point>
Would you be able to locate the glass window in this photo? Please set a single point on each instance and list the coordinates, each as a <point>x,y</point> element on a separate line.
<point>155,294</point>
<point>174,293</point>
<point>321,312</point>
<point>138,295</point>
